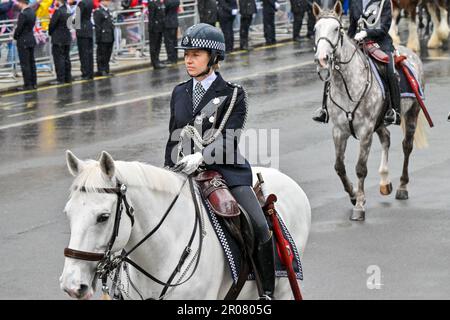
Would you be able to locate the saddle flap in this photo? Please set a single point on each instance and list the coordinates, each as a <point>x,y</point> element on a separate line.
<point>215,191</point>
<point>375,52</point>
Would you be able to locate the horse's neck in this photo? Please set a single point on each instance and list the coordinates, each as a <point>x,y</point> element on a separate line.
<point>353,71</point>
<point>160,253</point>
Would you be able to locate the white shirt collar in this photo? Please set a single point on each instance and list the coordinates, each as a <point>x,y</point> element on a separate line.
<point>207,82</point>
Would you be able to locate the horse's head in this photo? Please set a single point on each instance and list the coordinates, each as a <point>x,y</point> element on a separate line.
<point>94,211</point>
<point>328,34</point>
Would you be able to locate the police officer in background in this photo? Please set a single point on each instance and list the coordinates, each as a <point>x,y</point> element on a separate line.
<point>227,11</point>
<point>299,8</point>
<point>61,40</point>
<point>104,37</point>
<point>85,39</point>
<point>269,9</point>
<point>170,30</point>
<point>207,10</point>
<point>156,21</point>
<point>247,8</point>
<point>25,44</point>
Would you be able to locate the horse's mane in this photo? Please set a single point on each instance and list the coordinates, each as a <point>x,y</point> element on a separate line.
<point>132,174</point>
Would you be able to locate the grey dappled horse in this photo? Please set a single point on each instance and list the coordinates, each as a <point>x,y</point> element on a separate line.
<point>355,100</point>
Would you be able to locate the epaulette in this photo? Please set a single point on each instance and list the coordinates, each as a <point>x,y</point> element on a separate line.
<point>234,85</point>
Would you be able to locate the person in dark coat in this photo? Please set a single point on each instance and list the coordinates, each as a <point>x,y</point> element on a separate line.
<point>226,12</point>
<point>61,41</point>
<point>170,30</point>
<point>379,33</point>
<point>207,10</point>
<point>104,37</point>
<point>26,42</point>
<point>85,38</point>
<point>247,8</point>
<point>202,102</point>
<point>299,8</point>
<point>269,9</point>
<point>156,27</point>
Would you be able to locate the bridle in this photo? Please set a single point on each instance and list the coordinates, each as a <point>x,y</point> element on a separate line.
<point>335,64</point>
<point>107,263</point>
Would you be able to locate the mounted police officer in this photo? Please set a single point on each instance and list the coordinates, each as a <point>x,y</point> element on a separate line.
<point>61,41</point>
<point>247,8</point>
<point>203,102</point>
<point>104,36</point>
<point>369,10</point>
<point>23,34</point>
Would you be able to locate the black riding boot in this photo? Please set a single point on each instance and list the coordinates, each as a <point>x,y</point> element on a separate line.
<point>265,263</point>
<point>393,115</point>
<point>321,114</point>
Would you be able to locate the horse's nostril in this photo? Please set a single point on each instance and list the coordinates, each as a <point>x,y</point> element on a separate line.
<point>83,289</point>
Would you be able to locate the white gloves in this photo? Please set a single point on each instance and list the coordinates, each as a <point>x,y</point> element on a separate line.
<point>190,163</point>
<point>234,12</point>
<point>360,35</point>
<point>277,5</point>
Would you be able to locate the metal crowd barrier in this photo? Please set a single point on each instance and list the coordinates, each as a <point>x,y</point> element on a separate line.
<point>131,36</point>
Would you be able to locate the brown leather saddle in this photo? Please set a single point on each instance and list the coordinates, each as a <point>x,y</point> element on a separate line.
<point>373,49</point>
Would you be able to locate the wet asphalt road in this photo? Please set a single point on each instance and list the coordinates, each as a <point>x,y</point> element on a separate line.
<point>127,115</point>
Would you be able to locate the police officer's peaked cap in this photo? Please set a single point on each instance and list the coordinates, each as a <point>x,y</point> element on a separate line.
<point>204,36</point>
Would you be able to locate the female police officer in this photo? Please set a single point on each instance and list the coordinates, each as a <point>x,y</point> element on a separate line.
<point>204,102</point>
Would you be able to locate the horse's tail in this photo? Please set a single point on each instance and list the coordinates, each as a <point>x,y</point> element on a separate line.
<point>420,136</point>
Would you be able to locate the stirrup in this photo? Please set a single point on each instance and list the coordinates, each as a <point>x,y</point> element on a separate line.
<point>265,297</point>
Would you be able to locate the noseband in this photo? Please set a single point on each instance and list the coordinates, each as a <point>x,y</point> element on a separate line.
<point>120,191</point>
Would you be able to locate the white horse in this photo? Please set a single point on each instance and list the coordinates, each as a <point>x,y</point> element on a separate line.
<point>150,191</point>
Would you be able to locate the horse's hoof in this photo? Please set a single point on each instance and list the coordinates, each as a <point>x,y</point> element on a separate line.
<point>358,215</point>
<point>386,189</point>
<point>401,195</point>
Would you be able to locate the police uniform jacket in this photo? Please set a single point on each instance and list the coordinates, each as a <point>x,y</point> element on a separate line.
<point>24,30</point>
<point>225,8</point>
<point>58,29</point>
<point>207,10</point>
<point>104,27</point>
<point>171,20</point>
<point>85,29</point>
<point>236,173</point>
<point>156,15</point>
<point>247,7</point>
<point>380,32</point>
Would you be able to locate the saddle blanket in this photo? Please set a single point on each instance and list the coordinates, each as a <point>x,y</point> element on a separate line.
<point>405,88</point>
<point>232,252</point>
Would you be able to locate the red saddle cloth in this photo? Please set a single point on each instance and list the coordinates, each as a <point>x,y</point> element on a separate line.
<point>215,191</point>
<point>373,49</point>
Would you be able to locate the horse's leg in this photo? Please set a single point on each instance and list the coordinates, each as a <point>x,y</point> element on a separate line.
<point>361,172</point>
<point>413,38</point>
<point>443,30</point>
<point>340,144</point>
<point>393,30</point>
<point>434,41</point>
<point>385,140</point>
<point>410,120</point>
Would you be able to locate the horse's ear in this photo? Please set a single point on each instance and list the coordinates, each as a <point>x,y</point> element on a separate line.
<point>107,164</point>
<point>74,164</point>
<point>316,10</point>
<point>338,8</point>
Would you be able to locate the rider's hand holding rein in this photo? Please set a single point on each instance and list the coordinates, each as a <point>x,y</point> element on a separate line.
<point>360,36</point>
<point>190,163</point>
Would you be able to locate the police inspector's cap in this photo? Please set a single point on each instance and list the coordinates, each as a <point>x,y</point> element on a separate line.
<point>204,36</point>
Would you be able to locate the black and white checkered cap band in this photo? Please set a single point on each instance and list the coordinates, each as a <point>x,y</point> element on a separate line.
<point>208,44</point>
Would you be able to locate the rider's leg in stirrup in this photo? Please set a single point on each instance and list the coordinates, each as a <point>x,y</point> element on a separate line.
<point>321,114</point>
<point>264,251</point>
<point>393,115</point>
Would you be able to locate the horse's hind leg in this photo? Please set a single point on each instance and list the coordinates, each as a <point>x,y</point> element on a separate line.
<point>393,31</point>
<point>361,172</point>
<point>385,140</point>
<point>340,144</point>
<point>413,37</point>
<point>410,121</point>
<point>434,42</point>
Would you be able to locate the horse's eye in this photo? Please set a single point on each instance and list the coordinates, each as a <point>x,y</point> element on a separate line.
<point>103,217</point>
